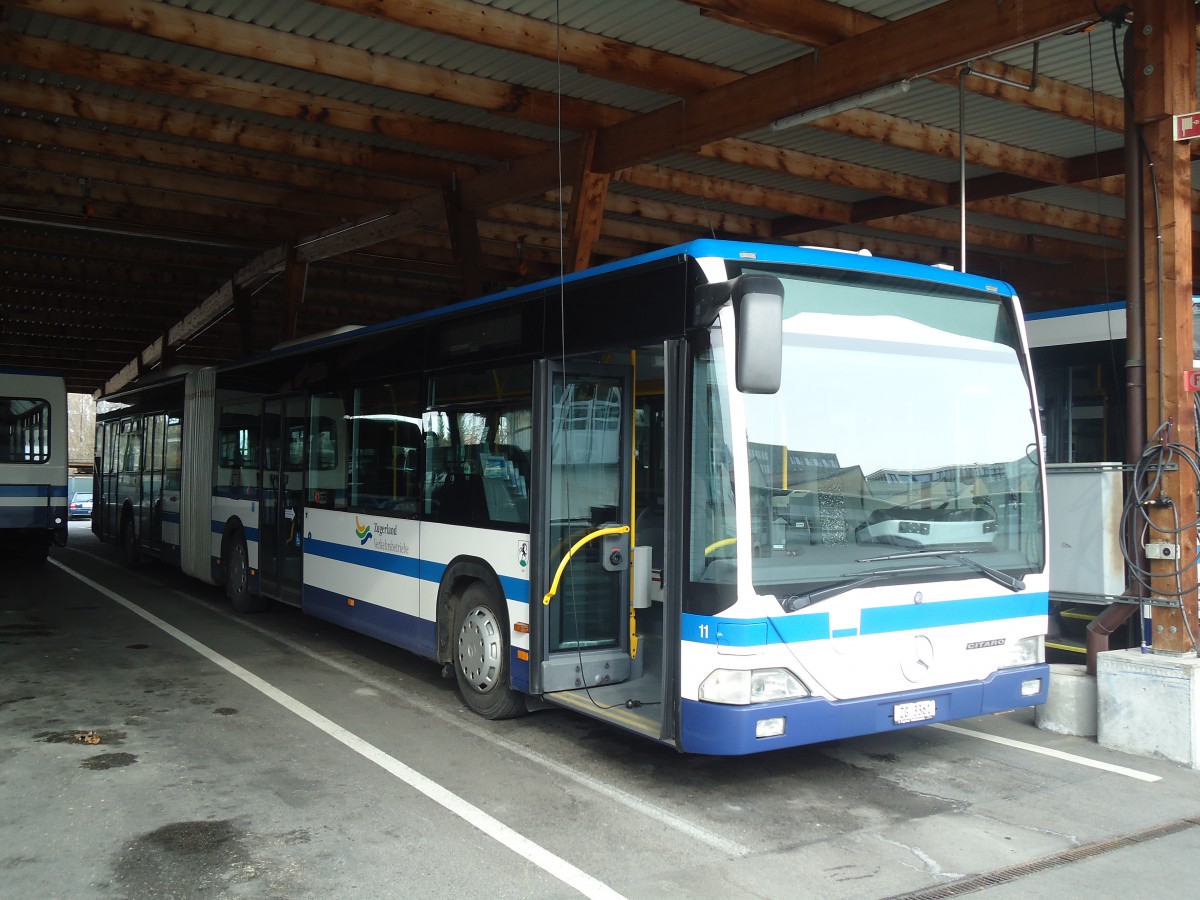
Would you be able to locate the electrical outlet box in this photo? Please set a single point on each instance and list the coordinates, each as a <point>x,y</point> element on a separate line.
<point>1162,551</point>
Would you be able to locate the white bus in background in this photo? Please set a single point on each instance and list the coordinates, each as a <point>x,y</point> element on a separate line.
<point>33,462</point>
<point>728,496</point>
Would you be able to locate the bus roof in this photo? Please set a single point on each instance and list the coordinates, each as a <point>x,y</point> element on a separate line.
<point>737,251</point>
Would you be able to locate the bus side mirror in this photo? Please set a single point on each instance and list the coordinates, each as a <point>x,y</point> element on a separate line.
<point>758,317</point>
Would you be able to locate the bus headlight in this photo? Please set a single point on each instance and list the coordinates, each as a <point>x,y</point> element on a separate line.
<point>740,687</point>
<point>1025,652</point>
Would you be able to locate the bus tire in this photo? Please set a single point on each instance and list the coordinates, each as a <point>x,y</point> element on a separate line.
<point>129,547</point>
<point>237,578</point>
<point>481,655</point>
<point>38,551</point>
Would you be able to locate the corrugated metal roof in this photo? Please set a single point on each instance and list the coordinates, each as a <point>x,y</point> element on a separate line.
<point>351,123</point>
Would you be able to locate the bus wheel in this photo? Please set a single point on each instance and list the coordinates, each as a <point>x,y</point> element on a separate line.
<point>237,578</point>
<point>39,551</point>
<point>481,656</point>
<point>129,547</point>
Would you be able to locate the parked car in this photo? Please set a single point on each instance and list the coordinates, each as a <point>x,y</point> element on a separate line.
<point>80,506</point>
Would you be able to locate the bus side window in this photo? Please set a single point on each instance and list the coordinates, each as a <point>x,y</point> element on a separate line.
<point>384,443</point>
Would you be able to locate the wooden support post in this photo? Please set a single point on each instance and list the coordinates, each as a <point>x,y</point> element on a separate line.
<point>1164,76</point>
<point>464,241</point>
<point>243,309</point>
<point>589,190</point>
<point>295,276</point>
<point>168,352</point>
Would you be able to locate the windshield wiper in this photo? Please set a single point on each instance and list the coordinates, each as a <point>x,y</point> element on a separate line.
<point>1001,578</point>
<point>850,582</point>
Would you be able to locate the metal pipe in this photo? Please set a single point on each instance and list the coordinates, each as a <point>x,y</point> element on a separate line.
<point>1100,628</point>
<point>962,166</point>
<point>1000,79</point>
<point>962,140</point>
<point>1135,304</point>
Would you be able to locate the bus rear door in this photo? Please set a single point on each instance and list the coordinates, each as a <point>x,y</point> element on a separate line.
<point>281,514</point>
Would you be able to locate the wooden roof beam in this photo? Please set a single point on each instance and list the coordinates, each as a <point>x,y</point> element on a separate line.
<point>222,34</point>
<point>85,106</point>
<point>585,216</point>
<point>60,58</point>
<point>819,23</point>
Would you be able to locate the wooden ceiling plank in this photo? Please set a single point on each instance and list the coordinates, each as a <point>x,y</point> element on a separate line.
<point>819,23</point>
<point>703,187</point>
<point>942,142</point>
<point>932,39</point>
<point>815,23</point>
<point>221,34</point>
<point>593,54</point>
<point>58,58</point>
<point>713,221</point>
<point>121,160</point>
<point>140,116</point>
<point>828,171</point>
<point>171,190</point>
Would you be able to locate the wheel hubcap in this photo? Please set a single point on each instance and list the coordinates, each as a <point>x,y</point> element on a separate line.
<point>237,566</point>
<point>479,649</point>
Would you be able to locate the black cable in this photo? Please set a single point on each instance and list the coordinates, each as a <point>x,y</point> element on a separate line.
<point>1146,493</point>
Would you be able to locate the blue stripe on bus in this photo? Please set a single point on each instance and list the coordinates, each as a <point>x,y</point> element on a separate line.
<point>395,627</point>
<point>1118,306</point>
<point>27,517</point>
<point>955,612</point>
<point>251,534</point>
<point>878,620</point>
<point>368,559</point>
<point>28,490</point>
<point>516,589</point>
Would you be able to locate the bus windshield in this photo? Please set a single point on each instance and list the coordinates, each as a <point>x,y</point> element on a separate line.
<point>903,428</point>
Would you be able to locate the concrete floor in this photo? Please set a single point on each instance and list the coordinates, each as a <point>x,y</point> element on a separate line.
<point>153,744</point>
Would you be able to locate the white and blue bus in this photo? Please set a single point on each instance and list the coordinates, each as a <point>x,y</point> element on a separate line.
<point>732,497</point>
<point>33,462</point>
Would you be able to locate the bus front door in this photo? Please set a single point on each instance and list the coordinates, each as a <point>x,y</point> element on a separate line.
<point>585,441</point>
<point>281,514</point>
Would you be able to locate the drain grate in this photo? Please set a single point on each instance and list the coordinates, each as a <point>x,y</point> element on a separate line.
<point>972,883</point>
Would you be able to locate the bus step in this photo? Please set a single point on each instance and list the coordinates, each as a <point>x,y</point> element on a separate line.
<point>1084,614</point>
<point>1065,644</point>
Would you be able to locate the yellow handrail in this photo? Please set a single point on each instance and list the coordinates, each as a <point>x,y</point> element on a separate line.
<point>599,532</point>
<point>717,545</point>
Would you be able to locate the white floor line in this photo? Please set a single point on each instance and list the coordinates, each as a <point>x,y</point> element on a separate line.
<point>633,802</point>
<point>1047,751</point>
<point>554,865</point>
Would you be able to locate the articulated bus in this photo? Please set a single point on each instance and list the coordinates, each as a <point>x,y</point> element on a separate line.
<point>728,496</point>
<point>33,462</point>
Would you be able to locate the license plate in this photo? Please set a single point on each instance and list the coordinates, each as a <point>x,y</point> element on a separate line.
<point>903,713</point>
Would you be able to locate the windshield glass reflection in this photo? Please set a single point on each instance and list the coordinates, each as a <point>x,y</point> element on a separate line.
<point>890,434</point>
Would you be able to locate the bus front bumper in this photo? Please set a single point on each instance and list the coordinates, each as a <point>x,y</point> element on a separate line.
<point>718,729</point>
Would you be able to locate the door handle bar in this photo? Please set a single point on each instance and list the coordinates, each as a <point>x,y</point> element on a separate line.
<point>587,538</point>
